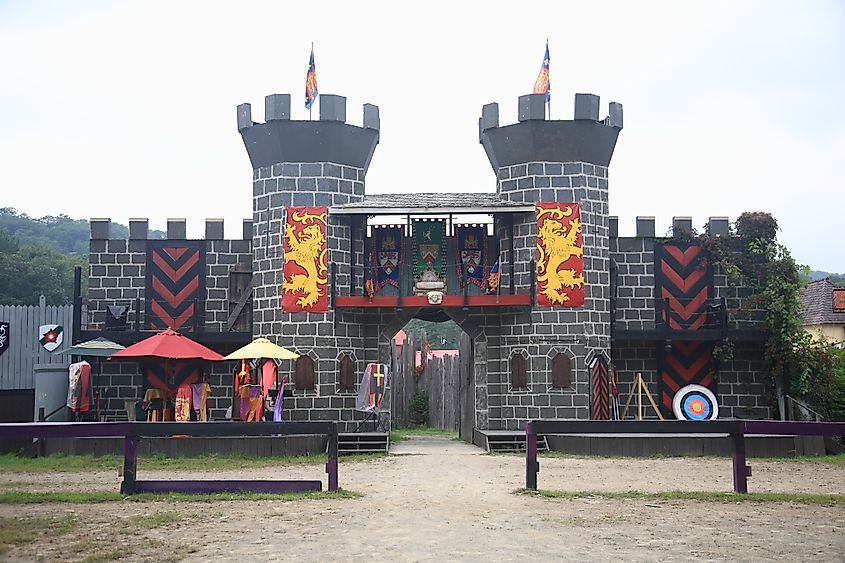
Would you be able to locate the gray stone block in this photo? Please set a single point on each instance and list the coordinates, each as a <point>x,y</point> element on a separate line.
<point>489,116</point>
<point>213,229</point>
<point>532,106</point>
<point>645,227</point>
<point>277,107</point>
<point>100,229</point>
<point>613,227</point>
<point>614,117</point>
<point>681,224</point>
<point>371,117</point>
<point>719,226</point>
<point>139,229</point>
<point>176,229</point>
<point>244,116</point>
<point>587,107</point>
<point>247,229</point>
<point>332,108</point>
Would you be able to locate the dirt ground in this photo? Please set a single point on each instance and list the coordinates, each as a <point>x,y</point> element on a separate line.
<point>437,499</point>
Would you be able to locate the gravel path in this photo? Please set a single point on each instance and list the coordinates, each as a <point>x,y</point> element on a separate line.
<point>438,499</point>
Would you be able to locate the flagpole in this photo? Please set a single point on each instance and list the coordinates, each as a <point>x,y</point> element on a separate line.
<point>549,102</point>
<point>312,102</point>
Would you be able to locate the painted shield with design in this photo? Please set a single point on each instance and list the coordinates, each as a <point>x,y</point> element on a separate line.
<point>51,336</point>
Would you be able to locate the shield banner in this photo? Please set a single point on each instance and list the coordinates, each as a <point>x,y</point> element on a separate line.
<point>387,255</point>
<point>51,336</point>
<point>4,337</point>
<point>429,238</point>
<point>472,254</point>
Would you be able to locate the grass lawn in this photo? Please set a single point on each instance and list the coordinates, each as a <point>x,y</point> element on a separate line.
<point>827,500</point>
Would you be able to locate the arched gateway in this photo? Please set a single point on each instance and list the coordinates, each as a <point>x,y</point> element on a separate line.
<point>535,273</point>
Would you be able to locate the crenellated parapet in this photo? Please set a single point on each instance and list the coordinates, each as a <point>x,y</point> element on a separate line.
<point>330,139</point>
<point>537,139</point>
<point>120,275</point>
<point>634,269</point>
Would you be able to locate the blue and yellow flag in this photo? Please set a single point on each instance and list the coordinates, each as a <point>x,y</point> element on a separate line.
<point>311,82</point>
<point>543,85</point>
<point>493,280</point>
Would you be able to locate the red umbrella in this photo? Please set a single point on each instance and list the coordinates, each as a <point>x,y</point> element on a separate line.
<point>171,345</point>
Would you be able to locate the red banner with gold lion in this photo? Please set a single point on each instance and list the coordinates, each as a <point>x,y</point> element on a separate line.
<point>306,260</point>
<point>560,264</point>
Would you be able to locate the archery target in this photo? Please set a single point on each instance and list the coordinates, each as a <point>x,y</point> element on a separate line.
<point>695,402</point>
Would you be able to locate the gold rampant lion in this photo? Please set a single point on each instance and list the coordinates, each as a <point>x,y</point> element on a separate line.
<point>308,251</point>
<point>554,247</point>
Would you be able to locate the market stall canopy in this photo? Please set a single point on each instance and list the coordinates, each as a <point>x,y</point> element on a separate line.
<point>171,345</point>
<point>98,348</point>
<point>262,348</point>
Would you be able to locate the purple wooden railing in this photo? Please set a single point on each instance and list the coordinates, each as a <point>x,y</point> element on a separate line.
<point>133,432</point>
<point>735,429</point>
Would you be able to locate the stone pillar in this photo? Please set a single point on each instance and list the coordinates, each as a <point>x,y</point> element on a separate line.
<point>537,160</point>
<point>307,163</point>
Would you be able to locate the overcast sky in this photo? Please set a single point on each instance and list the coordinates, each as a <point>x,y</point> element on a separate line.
<point>127,109</point>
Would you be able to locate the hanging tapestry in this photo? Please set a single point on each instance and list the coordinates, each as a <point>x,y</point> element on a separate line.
<point>560,265</point>
<point>387,255</point>
<point>170,374</point>
<point>306,260</point>
<point>80,393</point>
<point>175,285</point>
<point>471,262</point>
<point>429,242</point>
<point>683,281</point>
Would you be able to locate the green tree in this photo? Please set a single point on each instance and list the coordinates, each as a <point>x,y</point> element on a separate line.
<point>28,271</point>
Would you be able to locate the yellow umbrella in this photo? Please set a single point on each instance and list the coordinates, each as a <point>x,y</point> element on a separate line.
<point>262,348</point>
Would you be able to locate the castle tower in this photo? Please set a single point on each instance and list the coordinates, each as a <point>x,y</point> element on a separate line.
<point>315,164</point>
<point>537,160</point>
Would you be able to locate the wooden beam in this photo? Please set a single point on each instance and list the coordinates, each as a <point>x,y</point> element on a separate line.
<point>239,306</point>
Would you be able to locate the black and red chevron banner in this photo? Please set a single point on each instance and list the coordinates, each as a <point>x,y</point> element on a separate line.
<point>175,284</point>
<point>170,375</point>
<point>599,397</point>
<point>684,276</point>
<point>684,363</point>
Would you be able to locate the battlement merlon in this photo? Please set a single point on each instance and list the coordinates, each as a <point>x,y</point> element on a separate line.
<point>536,139</point>
<point>139,229</point>
<point>330,139</point>
<point>715,227</point>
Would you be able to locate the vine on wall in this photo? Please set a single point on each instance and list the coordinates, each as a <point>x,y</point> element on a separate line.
<point>751,257</point>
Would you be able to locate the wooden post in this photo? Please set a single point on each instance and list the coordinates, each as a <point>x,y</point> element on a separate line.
<point>532,467</point>
<point>130,465</point>
<point>740,469</point>
<point>331,465</point>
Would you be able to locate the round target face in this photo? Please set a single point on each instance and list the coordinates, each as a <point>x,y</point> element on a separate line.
<point>695,402</point>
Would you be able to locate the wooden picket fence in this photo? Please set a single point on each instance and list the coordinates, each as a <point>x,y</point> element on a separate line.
<point>440,381</point>
<point>25,352</point>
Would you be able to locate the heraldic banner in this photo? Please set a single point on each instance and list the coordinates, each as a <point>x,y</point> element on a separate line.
<point>429,239</point>
<point>471,246</point>
<point>387,255</point>
<point>560,265</point>
<point>306,260</point>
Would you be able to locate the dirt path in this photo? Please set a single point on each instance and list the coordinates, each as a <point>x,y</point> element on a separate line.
<point>437,499</point>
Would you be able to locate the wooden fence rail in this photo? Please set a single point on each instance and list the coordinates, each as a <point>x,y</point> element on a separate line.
<point>735,429</point>
<point>134,431</point>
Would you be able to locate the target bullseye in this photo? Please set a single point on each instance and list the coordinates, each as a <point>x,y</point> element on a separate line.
<point>695,402</point>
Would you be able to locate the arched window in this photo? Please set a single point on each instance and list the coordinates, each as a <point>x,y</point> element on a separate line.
<point>304,378</point>
<point>561,371</point>
<point>347,373</point>
<point>519,375</point>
